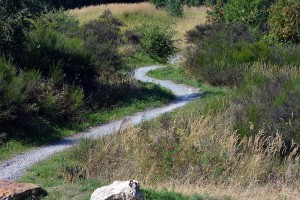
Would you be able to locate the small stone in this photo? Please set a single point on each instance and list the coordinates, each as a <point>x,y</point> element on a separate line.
<point>119,190</point>
<point>12,190</point>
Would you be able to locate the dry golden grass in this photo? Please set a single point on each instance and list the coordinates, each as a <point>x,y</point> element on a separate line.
<point>136,14</point>
<point>198,154</point>
<point>86,14</point>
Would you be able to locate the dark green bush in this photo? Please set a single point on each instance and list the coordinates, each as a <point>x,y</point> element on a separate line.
<point>101,39</point>
<point>174,7</point>
<point>248,12</point>
<point>220,52</point>
<point>47,46</point>
<point>158,41</point>
<point>253,14</point>
<point>103,30</point>
<point>14,23</point>
<point>284,21</point>
<point>60,21</point>
<point>216,14</point>
<point>58,103</point>
<point>16,88</point>
<point>219,31</point>
<point>284,55</point>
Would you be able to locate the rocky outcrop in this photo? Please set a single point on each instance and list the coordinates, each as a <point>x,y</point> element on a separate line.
<point>119,190</point>
<point>12,190</point>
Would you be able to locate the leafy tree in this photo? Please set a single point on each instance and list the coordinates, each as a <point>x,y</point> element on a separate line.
<point>15,18</point>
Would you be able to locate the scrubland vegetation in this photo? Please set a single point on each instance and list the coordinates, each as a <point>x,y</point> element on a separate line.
<point>241,141</point>
<point>58,77</point>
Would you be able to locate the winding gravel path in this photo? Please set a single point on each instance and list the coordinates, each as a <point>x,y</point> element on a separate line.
<point>15,168</point>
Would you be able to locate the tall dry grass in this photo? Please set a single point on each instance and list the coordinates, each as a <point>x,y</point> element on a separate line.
<point>89,13</point>
<point>198,154</point>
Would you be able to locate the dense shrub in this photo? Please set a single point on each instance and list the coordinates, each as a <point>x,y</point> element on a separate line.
<point>268,99</point>
<point>174,7</point>
<point>219,31</point>
<point>48,46</point>
<point>103,30</point>
<point>220,52</point>
<point>60,21</point>
<point>284,21</point>
<point>101,39</point>
<point>216,14</point>
<point>58,103</point>
<point>284,55</point>
<point>158,40</point>
<point>14,23</point>
<point>252,13</point>
<point>16,88</point>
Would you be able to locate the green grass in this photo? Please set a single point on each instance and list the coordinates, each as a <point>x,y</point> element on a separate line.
<point>150,194</point>
<point>140,59</point>
<point>177,75</point>
<point>149,96</point>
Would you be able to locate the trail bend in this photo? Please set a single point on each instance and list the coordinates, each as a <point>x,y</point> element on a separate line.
<point>14,168</point>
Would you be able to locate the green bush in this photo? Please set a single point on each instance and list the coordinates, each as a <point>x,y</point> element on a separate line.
<point>158,41</point>
<point>216,14</point>
<point>14,24</point>
<point>48,46</point>
<point>16,88</point>
<point>248,12</point>
<point>101,39</point>
<point>60,21</point>
<point>284,21</point>
<point>285,55</point>
<point>58,103</point>
<point>174,7</point>
<point>103,30</point>
<point>268,100</point>
<point>220,53</point>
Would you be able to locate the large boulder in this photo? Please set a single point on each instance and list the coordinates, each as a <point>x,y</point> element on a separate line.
<point>119,190</point>
<point>12,190</point>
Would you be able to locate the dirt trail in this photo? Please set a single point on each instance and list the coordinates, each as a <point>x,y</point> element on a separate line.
<point>14,168</point>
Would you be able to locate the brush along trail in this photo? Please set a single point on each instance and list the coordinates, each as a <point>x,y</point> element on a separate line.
<point>13,169</point>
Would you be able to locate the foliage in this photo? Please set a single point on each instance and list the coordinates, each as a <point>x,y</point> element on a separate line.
<point>248,12</point>
<point>220,52</point>
<point>14,23</point>
<point>284,21</point>
<point>275,106</point>
<point>15,91</point>
<point>101,38</point>
<point>60,21</point>
<point>157,40</point>
<point>216,14</point>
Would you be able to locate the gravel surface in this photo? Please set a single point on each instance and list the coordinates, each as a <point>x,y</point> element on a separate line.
<point>14,168</point>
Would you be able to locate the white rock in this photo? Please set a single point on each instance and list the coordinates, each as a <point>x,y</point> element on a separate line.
<point>119,190</point>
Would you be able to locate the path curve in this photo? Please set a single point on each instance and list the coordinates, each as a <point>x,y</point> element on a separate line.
<point>14,168</point>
